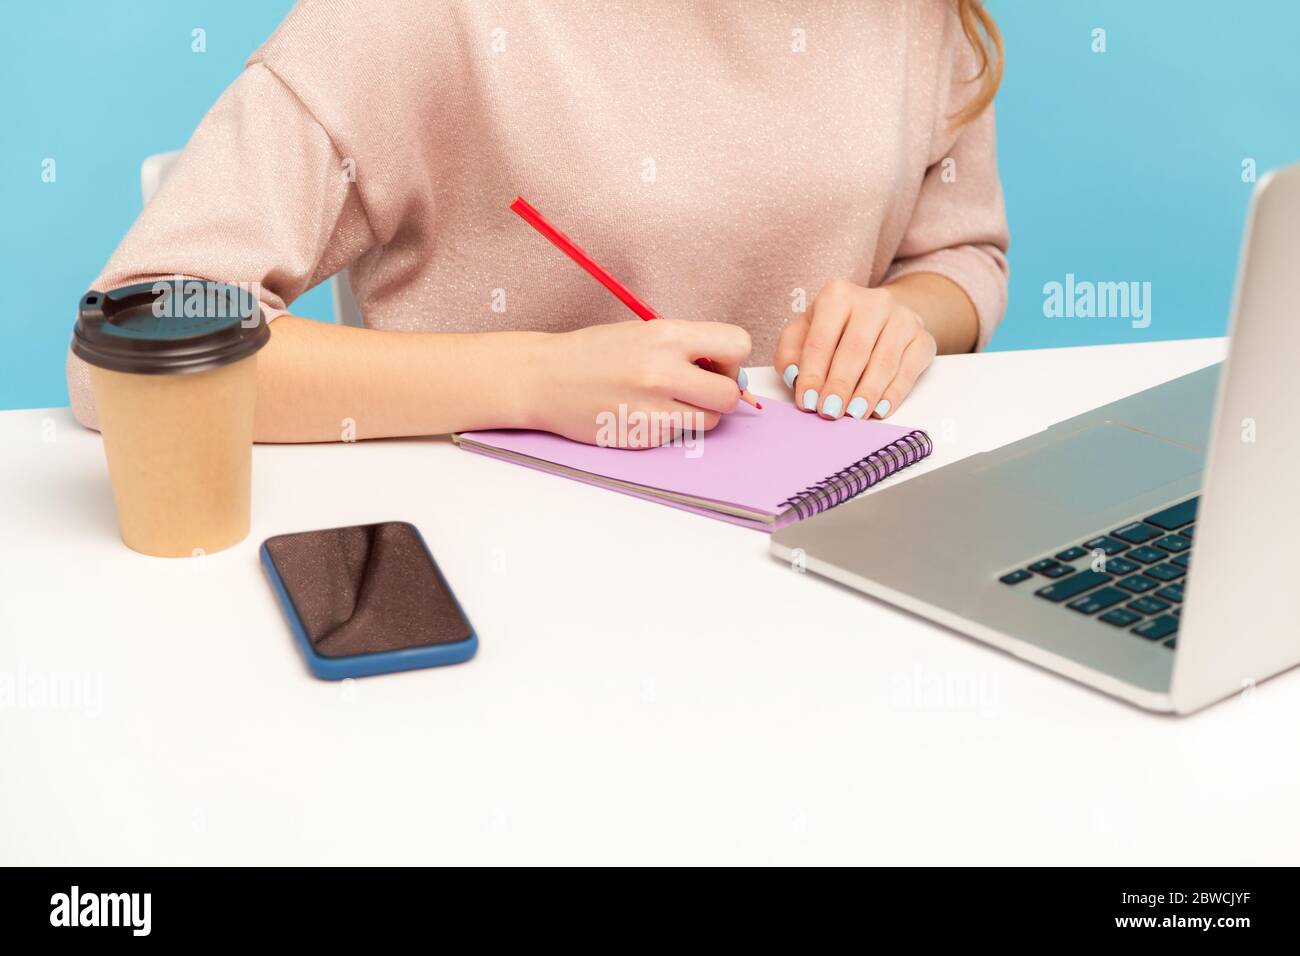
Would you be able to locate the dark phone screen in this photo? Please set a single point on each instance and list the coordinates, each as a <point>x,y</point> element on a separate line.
<point>367,588</point>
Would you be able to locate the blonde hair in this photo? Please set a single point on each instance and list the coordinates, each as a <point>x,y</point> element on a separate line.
<point>982,32</point>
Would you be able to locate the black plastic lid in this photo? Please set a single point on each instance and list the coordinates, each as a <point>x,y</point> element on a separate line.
<point>175,325</point>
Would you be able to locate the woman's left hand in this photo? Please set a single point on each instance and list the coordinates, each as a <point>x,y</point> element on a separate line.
<point>856,351</point>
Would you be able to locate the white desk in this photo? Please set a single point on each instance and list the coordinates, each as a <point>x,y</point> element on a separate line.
<point>651,686</point>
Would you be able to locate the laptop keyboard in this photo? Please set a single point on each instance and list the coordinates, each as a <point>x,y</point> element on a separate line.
<point>1132,578</point>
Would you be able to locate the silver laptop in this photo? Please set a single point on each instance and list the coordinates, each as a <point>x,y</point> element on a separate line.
<point>1149,548</point>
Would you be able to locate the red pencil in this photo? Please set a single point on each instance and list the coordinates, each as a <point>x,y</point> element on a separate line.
<point>596,270</point>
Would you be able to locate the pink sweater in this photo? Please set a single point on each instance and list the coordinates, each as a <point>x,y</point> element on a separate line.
<point>724,159</point>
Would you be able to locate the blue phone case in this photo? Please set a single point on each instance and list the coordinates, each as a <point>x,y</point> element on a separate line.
<point>384,662</point>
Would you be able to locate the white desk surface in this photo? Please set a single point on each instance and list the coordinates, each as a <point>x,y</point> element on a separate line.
<point>651,686</point>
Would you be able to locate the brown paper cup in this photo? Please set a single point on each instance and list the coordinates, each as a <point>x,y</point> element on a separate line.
<point>174,370</point>
<point>179,451</point>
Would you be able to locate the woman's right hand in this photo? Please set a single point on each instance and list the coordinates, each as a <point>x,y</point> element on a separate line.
<point>578,384</point>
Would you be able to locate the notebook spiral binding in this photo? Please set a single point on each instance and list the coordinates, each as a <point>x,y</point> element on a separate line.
<point>861,475</point>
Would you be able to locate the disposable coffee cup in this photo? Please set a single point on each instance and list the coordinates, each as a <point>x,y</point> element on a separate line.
<point>173,366</point>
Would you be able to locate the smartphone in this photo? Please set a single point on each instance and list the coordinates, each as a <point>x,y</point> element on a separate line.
<point>368,599</point>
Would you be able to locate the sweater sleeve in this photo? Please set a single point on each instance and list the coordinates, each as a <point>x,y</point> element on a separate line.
<point>260,195</point>
<point>958,227</point>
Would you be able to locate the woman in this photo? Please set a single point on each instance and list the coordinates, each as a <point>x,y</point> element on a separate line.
<point>725,160</point>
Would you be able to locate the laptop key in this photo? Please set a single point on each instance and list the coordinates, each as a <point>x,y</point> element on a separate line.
<point>1120,617</point>
<point>1098,600</point>
<point>1148,605</point>
<point>1136,533</point>
<point>1072,586</point>
<point>1122,566</point>
<point>1015,577</point>
<point>1165,572</point>
<point>1183,560</point>
<point>1072,554</point>
<point>1055,570</point>
<point>1176,516</point>
<point>1106,544</point>
<point>1174,543</point>
<point>1137,584</point>
<point>1187,532</point>
<point>1158,628</point>
<point>1172,642</point>
<point>1148,555</point>
<point>1171,592</point>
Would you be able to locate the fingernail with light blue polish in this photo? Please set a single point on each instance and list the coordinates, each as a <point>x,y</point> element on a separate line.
<point>790,374</point>
<point>883,407</point>
<point>858,408</point>
<point>742,380</point>
<point>831,407</point>
<point>810,399</point>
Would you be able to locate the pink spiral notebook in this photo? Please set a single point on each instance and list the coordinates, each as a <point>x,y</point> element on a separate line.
<point>763,470</point>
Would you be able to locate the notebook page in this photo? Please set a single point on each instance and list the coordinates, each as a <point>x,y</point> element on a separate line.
<point>753,459</point>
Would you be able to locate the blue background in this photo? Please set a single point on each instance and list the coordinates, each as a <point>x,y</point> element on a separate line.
<point>1117,166</point>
